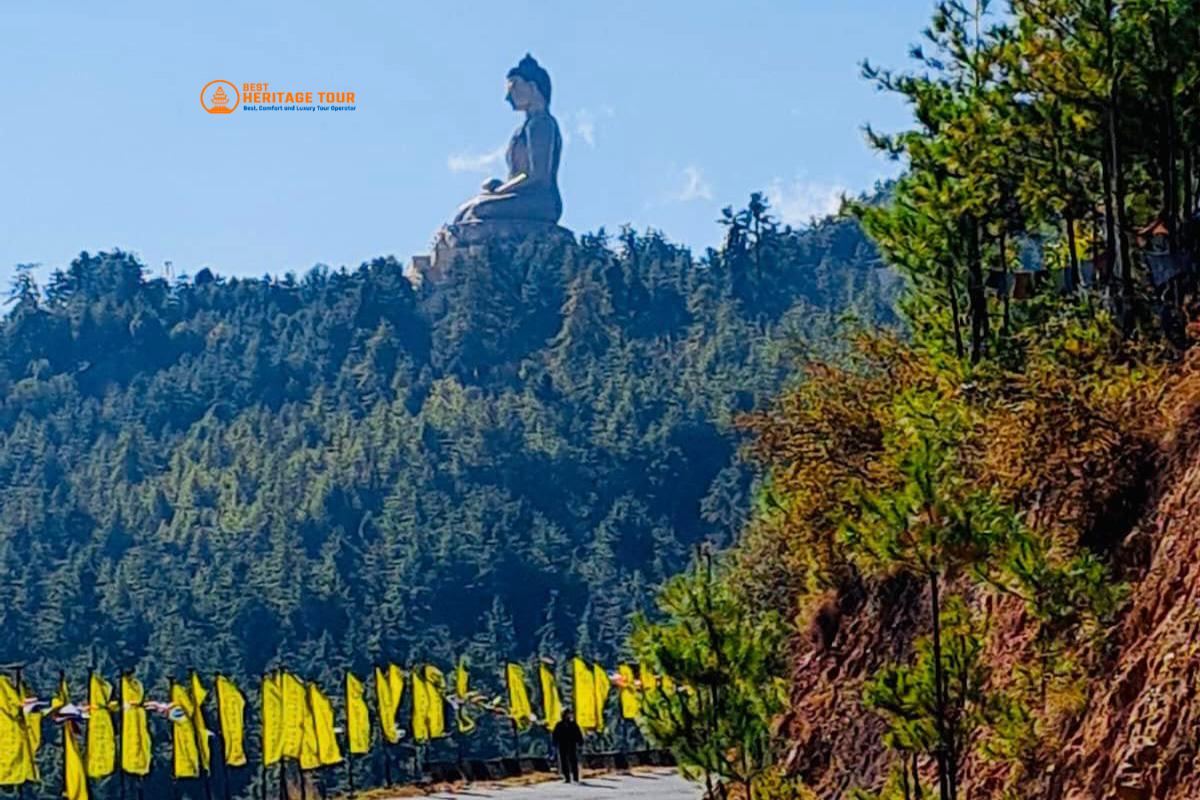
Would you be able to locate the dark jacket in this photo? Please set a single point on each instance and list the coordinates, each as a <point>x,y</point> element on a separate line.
<point>567,735</point>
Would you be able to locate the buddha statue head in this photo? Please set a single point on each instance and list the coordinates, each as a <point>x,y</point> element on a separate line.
<point>528,86</point>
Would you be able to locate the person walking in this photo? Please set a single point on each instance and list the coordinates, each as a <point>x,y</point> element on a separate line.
<point>567,738</point>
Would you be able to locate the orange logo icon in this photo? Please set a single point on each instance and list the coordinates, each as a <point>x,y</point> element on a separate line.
<point>217,100</point>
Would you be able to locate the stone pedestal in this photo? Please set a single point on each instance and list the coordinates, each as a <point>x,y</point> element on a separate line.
<point>472,239</point>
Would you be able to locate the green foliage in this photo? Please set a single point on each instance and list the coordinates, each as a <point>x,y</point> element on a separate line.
<point>932,521</point>
<point>335,469</point>
<point>727,660</point>
<point>1051,129</point>
<point>934,518</point>
<point>984,457</point>
<point>776,784</point>
<point>895,462</point>
<point>907,695</point>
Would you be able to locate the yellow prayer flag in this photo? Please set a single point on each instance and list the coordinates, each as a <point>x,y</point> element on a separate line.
<point>462,680</point>
<point>272,718</point>
<point>295,709</point>
<point>551,700</point>
<point>389,691</point>
<point>74,775</point>
<point>31,725</point>
<point>519,708</point>
<point>358,720</point>
<point>649,682</point>
<point>186,756</point>
<point>101,735</point>
<point>135,728</point>
<point>328,751</point>
<point>462,695</point>
<point>396,680</point>
<point>33,732</point>
<point>603,686</point>
<point>435,686</point>
<point>310,753</point>
<point>231,713</point>
<point>383,704</point>
<point>16,755</point>
<point>630,703</point>
<point>199,695</point>
<point>585,694</point>
<point>420,710</point>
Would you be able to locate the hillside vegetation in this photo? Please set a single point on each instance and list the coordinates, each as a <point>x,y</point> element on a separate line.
<point>336,469</point>
<point>978,539</point>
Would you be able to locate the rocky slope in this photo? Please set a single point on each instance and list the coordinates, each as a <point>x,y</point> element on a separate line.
<point>1138,735</point>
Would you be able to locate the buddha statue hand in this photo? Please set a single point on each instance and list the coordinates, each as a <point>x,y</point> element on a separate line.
<point>492,184</point>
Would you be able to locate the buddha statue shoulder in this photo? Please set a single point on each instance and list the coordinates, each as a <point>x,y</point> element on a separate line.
<point>530,191</point>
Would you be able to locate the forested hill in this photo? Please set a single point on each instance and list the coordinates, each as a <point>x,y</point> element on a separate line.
<point>339,468</point>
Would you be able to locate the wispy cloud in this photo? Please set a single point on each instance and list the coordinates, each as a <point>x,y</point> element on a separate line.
<point>583,123</point>
<point>694,186</point>
<point>476,162</point>
<point>585,126</point>
<point>800,201</point>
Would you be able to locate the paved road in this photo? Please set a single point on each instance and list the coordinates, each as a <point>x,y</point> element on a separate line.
<point>643,785</point>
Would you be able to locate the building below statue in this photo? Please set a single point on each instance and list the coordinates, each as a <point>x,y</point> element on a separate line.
<point>471,240</point>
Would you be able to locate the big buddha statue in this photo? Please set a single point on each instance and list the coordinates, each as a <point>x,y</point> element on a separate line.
<point>525,202</point>
<point>530,191</point>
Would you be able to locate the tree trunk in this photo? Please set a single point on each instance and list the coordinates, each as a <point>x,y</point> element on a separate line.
<point>1116,190</point>
<point>1004,290</point>
<point>1188,201</point>
<point>977,299</point>
<point>1110,233</point>
<point>939,681</point>
<point>1044,648</point>
<point>1170,132</point>
<point>949,277</point>
<point>1170,179</point>
<point>1072,255</point>
<point>1122,227</point>
<point>958,339</point>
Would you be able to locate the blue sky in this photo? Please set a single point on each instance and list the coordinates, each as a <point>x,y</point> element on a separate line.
<point>672,110</point>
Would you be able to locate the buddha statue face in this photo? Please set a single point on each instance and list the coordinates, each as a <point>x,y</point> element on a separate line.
<point>523,95</point>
